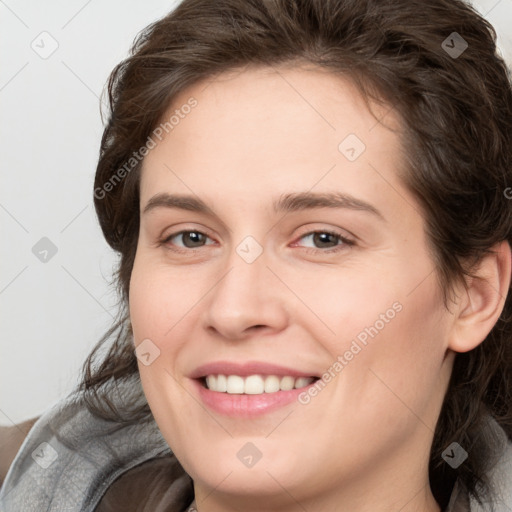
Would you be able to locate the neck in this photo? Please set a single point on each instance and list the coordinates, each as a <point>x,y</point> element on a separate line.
<point>417,504</point>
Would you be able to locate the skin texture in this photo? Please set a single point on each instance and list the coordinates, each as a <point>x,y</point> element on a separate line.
<point>362,444</point>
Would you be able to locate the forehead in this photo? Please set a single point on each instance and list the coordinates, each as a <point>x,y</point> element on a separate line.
<point>265,127</point>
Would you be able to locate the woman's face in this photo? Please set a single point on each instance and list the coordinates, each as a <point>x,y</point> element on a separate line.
<point>303,250</point>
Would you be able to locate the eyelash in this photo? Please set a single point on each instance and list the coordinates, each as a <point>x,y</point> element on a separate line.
<point>339,247</point>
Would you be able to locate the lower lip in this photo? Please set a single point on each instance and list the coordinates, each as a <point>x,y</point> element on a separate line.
<point>247,406</point>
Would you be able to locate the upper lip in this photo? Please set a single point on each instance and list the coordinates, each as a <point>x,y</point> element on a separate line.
<point>245,369</point>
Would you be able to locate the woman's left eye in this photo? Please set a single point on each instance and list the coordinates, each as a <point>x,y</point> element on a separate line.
<point>329,240</point>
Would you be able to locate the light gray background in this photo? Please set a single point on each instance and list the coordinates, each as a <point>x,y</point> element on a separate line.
<point>53,313</point>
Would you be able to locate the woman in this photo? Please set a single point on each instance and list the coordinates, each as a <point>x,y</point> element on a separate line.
<point>310,202</point>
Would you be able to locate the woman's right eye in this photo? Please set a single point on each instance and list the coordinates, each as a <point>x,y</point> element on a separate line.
<point>189,239</point>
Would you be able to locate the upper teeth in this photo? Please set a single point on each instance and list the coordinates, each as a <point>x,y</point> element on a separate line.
<point>255,384</point>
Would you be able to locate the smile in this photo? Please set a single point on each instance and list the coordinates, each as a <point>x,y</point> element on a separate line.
<point>236,402</point>
<point>255,384</point>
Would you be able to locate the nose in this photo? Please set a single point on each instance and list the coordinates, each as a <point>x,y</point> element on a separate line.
<point>247,299</point>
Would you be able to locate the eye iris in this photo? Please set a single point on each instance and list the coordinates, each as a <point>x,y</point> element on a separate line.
<point>197,238</point>
<point>322,238</point>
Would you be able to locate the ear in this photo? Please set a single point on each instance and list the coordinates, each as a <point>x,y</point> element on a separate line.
<point>479,308</point>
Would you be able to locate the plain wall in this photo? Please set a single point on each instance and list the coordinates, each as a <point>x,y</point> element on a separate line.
<point>54,311</point>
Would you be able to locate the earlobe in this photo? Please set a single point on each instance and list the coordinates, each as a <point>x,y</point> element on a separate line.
<point>480,307</point>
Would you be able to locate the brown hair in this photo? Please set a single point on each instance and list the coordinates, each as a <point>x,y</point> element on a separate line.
<point>456,112</point>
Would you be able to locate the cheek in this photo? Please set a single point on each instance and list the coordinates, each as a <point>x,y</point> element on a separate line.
<point>142,304</point>
<point>156,299</point>
<point>396,371</point>
<point>155,311</point>
<point>163,305</point>
<point>387,336</point>
<point>338,305</point>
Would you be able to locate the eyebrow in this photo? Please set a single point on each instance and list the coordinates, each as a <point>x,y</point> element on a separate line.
<point>308,200</point>
<point>291,202</point>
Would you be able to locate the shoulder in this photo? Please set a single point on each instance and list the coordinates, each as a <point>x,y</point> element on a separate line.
<point>78,455</point>
<point>11,438</point>
<point>499,473</point>
<point>498,476</point>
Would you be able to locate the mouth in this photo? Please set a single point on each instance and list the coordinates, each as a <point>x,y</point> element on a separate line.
<point>256,384</point>
<point>250,388</point>
<point>251,396</point>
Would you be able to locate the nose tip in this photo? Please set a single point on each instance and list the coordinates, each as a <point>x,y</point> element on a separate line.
<point>231,330</point>
<point>244,302</point>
